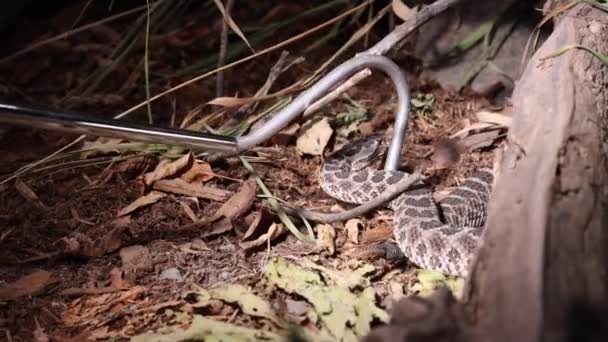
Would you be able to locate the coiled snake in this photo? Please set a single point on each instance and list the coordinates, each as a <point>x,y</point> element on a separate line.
<point>440,236</point>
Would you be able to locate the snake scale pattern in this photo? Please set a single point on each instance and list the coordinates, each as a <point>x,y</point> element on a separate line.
<point>439,236</point>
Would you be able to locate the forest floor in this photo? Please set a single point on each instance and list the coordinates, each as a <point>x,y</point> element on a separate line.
<point>98,245</point>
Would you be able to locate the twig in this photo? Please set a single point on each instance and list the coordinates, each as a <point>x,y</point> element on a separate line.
<point>359,210</point>
<point>221,59</point>
<point>416,20</point>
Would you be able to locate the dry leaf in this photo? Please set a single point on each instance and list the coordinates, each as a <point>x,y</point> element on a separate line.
<point>239,203</point>
<point>180,186</point>
<point>401,10</point>
<point>199,172</point>
<point>256,218</point>
<point>494,118</point>
<point>29,194</point>
<point>152,197</point>
<point>275,230</point>
<point>471,127</point>
<point>231,102</point>
<point>326,237</point>
<point>28,285</point>
<point>168,169</point>
<point>352,227</point>
<point>315,138</point>
<point>189,211</point>
<point>220,226</point>
<point>98,310</point>
<point>231,23</point>
<point>480,140</point>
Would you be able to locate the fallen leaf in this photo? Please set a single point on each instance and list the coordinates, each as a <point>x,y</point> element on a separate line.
<point>29,285</point>
<point>220,226</point>
<point>315,138</point>
<point>235,28</point>
<point>352,228</point>
<point>481,139</point>
<point>199,172</point>
<point>92,311</point>
<point>326,237</point>
<point>239,203</point>
<point>189,211</point>
<point>206,329</point>
<point>471,127</point>
<point>82,245</point>
<point>494,118</point>
<point>27,193</point>
<point>250,303</point>
<point>254,218</point>
<point>180,186</point>
<point>401,10</point>
<point>328,291</point>
<point>427,281</point>
<point>168,169</point>
<point>231,102</point>
<point>275,230</point>
<point>143,201</point>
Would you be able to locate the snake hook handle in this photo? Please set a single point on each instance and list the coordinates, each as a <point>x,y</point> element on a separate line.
<point>78,123</point>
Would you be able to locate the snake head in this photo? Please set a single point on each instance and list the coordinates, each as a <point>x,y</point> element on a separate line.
<point>367,151</point>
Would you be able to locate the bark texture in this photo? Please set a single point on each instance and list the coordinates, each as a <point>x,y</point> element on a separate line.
<point>542,271</point>
<point>546,238</point>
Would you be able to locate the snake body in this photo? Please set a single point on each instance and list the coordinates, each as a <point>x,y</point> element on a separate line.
<point>439,236</point>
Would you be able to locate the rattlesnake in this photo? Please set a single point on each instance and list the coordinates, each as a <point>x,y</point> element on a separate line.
<point>440,236</point>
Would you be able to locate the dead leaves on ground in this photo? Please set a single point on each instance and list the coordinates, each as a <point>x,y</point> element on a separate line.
<point>325,305</point>
<point>29,285</point>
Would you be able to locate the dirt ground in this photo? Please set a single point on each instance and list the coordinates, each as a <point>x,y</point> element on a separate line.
<point>66,232</point>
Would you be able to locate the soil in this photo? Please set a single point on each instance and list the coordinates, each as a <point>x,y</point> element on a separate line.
<point>72,229</point>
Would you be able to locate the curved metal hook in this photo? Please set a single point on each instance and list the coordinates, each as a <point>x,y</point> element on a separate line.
<point>78,123</point>
<point>281,119</point>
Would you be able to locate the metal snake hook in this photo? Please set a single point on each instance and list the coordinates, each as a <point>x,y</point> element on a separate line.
<point>79,123</point>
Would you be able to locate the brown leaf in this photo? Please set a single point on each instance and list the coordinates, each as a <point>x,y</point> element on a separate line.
<point>238,204</point>
<point>28,285</point>
<point>29,194</point>
<point>168,169</point>
<point>275,230</point>
<point>145,200</point>
<point>180,186</point>
<point>199,172</point>
<point>220,226</point>
<point>231,22</point>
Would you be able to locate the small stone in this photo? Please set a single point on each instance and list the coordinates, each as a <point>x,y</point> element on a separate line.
<point>171,274</point>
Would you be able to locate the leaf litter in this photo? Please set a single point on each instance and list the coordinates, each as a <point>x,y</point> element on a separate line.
<point>241,247</point>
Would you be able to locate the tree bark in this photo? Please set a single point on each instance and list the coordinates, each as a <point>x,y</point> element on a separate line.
<point>546,237</point>
<point>545,250</point>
